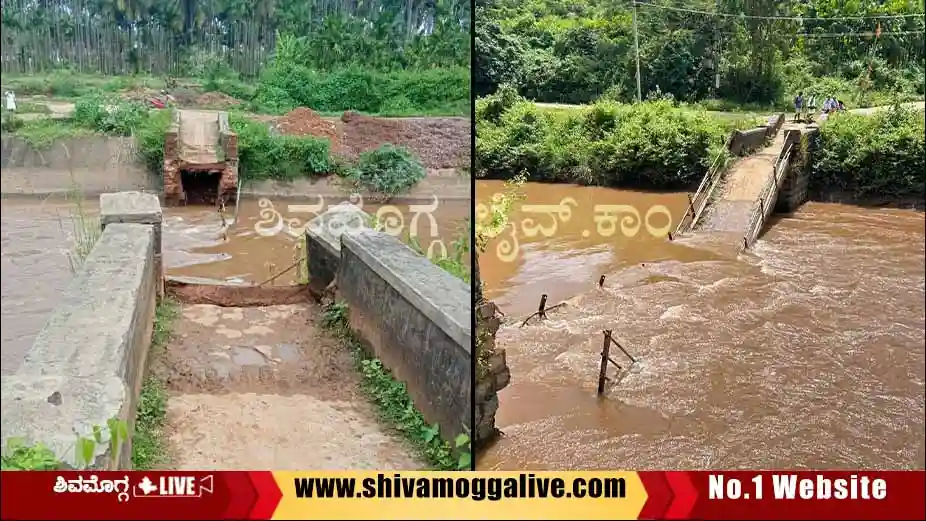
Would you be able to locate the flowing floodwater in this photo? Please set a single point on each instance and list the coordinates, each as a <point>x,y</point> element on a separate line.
<point>262,243</point>
<point>36,241</point>
<point>37,237</point>
<point>805,352</point>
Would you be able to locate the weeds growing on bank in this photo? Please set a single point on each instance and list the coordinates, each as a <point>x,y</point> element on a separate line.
<point>451,261</point>
<point>86,230</point>
<point>388,170</point>
<point>19,454</point>
<point>880,156</point>
<point>149,447</point>
<point>394,403</point>
<point>68,85</point>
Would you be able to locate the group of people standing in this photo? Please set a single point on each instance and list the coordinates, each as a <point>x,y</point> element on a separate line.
<point>830,105</point>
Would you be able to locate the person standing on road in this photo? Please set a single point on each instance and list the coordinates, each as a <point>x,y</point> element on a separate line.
<point>798,106</point>
<point>812,105</point>
<point>10,101</point>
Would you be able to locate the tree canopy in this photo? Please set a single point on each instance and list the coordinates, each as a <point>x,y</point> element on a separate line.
<point>743,50</point>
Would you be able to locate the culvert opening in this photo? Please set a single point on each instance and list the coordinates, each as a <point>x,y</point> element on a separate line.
<point>200,187</point>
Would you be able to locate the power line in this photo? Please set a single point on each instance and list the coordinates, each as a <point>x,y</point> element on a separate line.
<point>785,18</point>
<point>869,33</point>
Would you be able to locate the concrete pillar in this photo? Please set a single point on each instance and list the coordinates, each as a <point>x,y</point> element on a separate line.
<point>136,208</point>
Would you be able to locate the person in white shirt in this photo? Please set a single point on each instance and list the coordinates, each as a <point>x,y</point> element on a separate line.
<point>10,100</point>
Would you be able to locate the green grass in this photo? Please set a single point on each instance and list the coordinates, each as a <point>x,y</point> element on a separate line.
<point>453,261</point>
<point>393,402</point>
<point>28,107</point>
<point>66,85</point>
<point>42,133</point>
<point>149,446</point>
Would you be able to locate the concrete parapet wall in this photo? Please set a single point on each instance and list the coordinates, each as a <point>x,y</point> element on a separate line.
<point>323,241</point>
<point>95,165</point>
<point>744,142</point>
<point>416,318</point>
<point>774,125</point>
<point>86,365</point>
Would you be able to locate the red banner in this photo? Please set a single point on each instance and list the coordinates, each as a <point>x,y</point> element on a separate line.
<point>138,495</point>
<point>784,495</point>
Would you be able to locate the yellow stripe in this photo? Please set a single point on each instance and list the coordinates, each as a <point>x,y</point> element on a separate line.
<point>487,495</point>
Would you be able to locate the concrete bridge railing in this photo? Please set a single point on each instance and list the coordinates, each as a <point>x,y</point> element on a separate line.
<point>411,314</point>
<point>87,364</point>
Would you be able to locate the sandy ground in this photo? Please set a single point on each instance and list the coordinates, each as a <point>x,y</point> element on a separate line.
<point>265,388</point>
<point>199,136</point>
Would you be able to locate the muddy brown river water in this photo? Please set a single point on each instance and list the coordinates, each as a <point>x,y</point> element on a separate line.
<point>805,352</point>
<point>37,237</point>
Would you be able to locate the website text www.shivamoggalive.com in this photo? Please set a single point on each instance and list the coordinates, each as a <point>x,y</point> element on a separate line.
<point>524,486</point>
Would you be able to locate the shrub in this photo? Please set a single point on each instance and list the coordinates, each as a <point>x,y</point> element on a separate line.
<point>285,86</point>
<point>150,139</point>
<point>109,116</point>
<point>387,170</point>
<point>264,155</point>
<point>878,156</point>
<point>652,145</point>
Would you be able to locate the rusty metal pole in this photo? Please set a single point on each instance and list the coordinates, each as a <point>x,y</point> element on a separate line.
<point>619,346</point>
<point>605,352</point>
<point>541,311</point>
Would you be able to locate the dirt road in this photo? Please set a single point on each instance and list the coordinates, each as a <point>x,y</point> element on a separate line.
<point>266,388</point>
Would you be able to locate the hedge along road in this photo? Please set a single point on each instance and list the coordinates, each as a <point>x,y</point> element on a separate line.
<point>734,115</point>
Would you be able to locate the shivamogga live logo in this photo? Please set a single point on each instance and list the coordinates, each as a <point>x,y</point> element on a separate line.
<point>387,218</point>
<point>608,218</point>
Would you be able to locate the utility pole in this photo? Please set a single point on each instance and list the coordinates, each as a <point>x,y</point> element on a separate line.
<point>636,46</point>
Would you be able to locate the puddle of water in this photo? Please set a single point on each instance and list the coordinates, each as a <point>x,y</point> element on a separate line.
<point>247,356</point>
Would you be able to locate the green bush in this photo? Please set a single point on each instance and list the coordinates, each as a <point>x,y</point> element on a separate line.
<point>108,115</point>
<point>872,157</point>
<point>150,139</point>
<point>652,145</point>
<point>387,170</point>
<point>264,155</point>
<point>285,86</point>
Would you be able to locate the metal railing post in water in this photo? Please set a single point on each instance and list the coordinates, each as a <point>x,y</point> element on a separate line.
<point>605,352</point>
<point>601,281</point>
<point>541,310</point>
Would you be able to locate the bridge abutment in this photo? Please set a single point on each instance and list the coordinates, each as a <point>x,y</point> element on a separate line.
<point>794,190</point>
